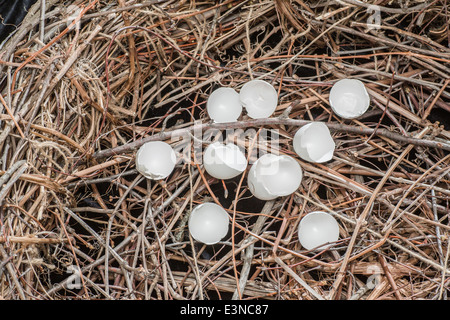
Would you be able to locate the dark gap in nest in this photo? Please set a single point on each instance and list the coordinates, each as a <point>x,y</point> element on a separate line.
<point>233,52</point>
<point>183,110</point>
<point>180,266</point>
<point>307,70</point>
<point>55,276</point>
<point>316,275</point>
<point>363,278</point>
<point>143,184</point>
<point>440,115</point>
<point>96,220</point>
<point>250,204</point>
<point>373,121</point>
<point>85,195</point>
<point>217,251</point>
<point>246,203</point>
<point>370,182</point>
<point>213,295</point>
<point>408,24</point>
<point>211,252</point>
<point>12,14</point>
<point>136,210</point>
<point>96,226</point>
<point>271,42</point>
<point>322,191</point>
<point>441,200</point>
<point>394,93</point>
<point>274,227</point>
<point>444,218</point>
<point>376,164</point>
<point>416,211</point>
<point>407,168</point>
<point>316,113</point>
<point>116,239</point>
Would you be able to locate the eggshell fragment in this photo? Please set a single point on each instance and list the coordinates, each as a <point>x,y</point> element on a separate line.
<point>349,98</point>
<point>208,223</point>
<point>224,161</point>
<point>155,160</point>
<point>273,176</point>
<point>313,142</point>
<point>317,229</point>
<point>259,98</point>
<point>223,105</point>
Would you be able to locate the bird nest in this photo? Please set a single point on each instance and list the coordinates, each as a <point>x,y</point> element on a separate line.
<point>85,83</point>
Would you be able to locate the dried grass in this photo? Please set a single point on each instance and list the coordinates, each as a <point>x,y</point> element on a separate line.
<point>78,101</point>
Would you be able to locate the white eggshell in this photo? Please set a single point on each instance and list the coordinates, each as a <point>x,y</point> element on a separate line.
<point>259,98</point>
<point>317,229</point>
<point>223,105</point>
<point>313,142</point>
<point>273,176</point>
<point>208,223</point>
<point>224,161</point>
<point>257,185</point>
<point>349,98</point>
<point>155,160</point>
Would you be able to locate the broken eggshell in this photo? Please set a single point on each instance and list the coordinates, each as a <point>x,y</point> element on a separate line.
<point>223,105</point>
<point>155,160</point>
<point>208,223</point>
<point>273,176</point>
<point>313,142</point>
<point>259,98</point>
<point>349,98</point>
<point>224,161</point>
<point>317,229</point>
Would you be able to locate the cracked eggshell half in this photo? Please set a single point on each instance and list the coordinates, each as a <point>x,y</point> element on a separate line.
<point>317,229</point>
<point>349,98</point>
<point>208,223</point>
<point>313,142</point>
<point>224,161</point>
<point>259,98</point>
<point>155,160</point>
<point>273,176</point>
<point>223,105</point>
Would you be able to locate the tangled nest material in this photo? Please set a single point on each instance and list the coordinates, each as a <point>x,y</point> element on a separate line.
<point>82,89</point>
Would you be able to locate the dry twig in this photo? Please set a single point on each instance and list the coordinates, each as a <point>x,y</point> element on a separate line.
<point>79,94</point>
